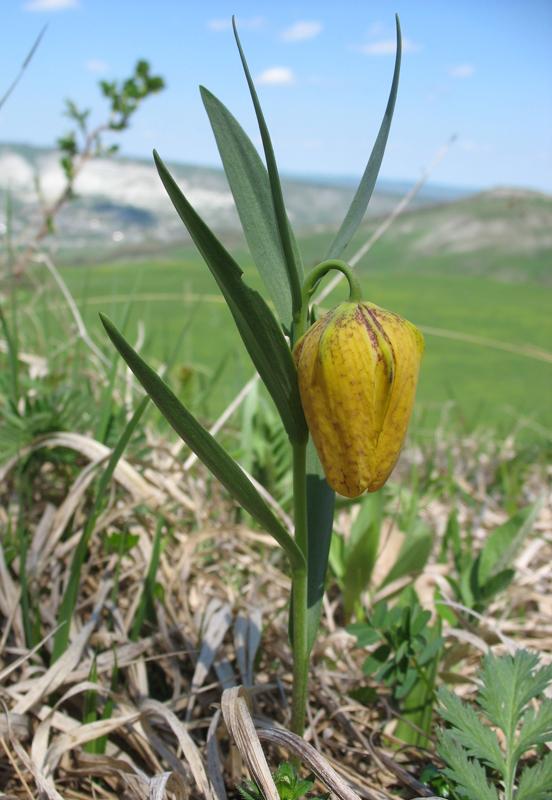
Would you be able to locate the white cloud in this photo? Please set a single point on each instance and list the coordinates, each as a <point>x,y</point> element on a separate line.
<point>225,24</point>
<point>302,30</point>
<point>462,71</point>
<point>276,76</point>
<point>50,5</point>
<point>387,47</point>
<point>96,65</point>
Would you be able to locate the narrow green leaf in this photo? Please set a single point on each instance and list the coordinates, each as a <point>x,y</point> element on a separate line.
<point>504,542</point>
<point>69,600</point>
<point>498,583</point>
<point>146,606</point>
<point>208,450</point>
<point>250,186</point>
<point>294,266</point>
<point>363,194</point>
<point>337,556</point>
<point>413,554</point>
<point>13,360</point>
<point>407,685</point>
<point>256,323</point>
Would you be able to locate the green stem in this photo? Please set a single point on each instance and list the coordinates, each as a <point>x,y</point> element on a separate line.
<point>299,581</point>
<point>311,282</point>
<point>510,768</point>
<point>299,594</point>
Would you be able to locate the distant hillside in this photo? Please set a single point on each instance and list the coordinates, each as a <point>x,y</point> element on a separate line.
<point>122,201</point>
<point>504,233</point>
<point>122,208</point>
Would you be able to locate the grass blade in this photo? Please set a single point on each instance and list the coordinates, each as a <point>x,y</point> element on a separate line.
<point>208,450</point>
<point>146,606</point>
<point>363,194</point>
<point>69,600</point>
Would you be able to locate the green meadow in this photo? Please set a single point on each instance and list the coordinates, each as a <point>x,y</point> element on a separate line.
<point>487,359</point>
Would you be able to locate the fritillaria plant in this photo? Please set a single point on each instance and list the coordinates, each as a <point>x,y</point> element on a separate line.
<point>343,386</point>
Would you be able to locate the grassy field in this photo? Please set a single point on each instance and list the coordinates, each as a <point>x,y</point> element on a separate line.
<point>487,338</point>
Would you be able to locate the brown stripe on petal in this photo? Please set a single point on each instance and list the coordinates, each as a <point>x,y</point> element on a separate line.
<point>381,330</point>
<point>361,317</point>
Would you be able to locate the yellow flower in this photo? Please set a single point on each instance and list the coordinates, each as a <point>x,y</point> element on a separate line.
<point>357,369</point>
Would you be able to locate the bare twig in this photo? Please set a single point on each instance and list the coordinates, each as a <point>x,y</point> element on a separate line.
<point>23,67</point>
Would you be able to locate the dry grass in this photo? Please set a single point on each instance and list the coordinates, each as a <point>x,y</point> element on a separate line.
<point>224,588</point>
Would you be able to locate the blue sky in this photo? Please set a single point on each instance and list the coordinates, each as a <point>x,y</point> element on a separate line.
<point>481,70</point>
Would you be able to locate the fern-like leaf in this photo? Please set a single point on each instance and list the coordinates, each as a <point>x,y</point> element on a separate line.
<point>536,728</point>
<point>509,684</point>
<point>536,782</point>
<point>477,739</point>
<point>469,776</point>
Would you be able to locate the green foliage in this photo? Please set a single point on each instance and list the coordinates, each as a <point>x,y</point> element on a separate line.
<point>260,203</point>
<point>288,784</point>
<point>471,306</point>
<point>363,194</point>
<point>353,559</point>
<point>511,700</point>
<point>91,711</point>
<point>255,321</point>
<point>437,782</point>
<point>70,595</point>
<point>263,448</point>
<point>405,658</point>
<point>146,606</point>
<point>121,542</point>
<point>320,514</point>
<point>480,577</point>
<point>204,445</point>
<point>250,185</point>
<point>291,254</point>
<point>124,98</point>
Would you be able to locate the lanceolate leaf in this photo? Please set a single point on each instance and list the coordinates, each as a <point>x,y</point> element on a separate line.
<point>208,450</point>
<point>256,323</point>
<point>363,194</point>
<point>293,263</point>
<point>250,186</point>
<point>504,543</point>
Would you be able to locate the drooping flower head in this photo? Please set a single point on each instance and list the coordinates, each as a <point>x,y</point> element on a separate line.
<point>357,370</point>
